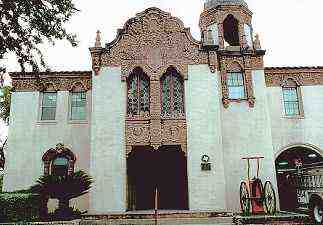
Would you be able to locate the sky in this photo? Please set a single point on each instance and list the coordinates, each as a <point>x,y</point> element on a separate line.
<point>289,30</point>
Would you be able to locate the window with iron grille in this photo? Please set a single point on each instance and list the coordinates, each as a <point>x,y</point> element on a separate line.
<point>78,105</point>
<point>49,102</point>
<point>236,87</point>
<point>172,87</point>
<point>138,93</point>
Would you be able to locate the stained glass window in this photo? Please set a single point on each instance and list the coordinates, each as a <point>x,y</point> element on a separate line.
<point>291,101</point>
<point>48,109</point>
<point>235,85</point>
<point>172,94</point>
<point>78,106</point>
<point>138,94</point>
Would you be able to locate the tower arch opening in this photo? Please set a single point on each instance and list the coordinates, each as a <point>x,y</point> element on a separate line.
<point>231,31</point>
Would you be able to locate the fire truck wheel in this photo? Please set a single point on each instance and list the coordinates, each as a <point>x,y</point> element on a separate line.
<point>316,207</point>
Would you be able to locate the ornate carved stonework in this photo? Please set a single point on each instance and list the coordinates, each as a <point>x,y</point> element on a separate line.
<point>59,150</point>
<point>60,81</point>
<point>303,76</point>
<point>153,41</point>
<point>218,15</point>
<point>174,132</point>
<point>247,64</point>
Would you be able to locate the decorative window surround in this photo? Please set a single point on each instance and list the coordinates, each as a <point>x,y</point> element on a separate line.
<point>234,66</point>
<point>59,151</point>
<point>172,95</point>
<point>292,97</point>
<point>138,94</point>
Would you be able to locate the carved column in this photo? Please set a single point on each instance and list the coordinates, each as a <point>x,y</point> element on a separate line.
<point>221,36</point>
<point>155,112</point>
<point>250,94</point>
<point>46,167</point>
<point>243,40</point>
<point>213,61</point>
<point>224,87</point>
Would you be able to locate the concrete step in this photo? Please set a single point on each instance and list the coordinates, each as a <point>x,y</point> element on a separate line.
<point>163,221</point>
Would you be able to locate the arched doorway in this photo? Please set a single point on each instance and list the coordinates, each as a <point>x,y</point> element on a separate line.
<point>286,166</point>
<point>165,170</point>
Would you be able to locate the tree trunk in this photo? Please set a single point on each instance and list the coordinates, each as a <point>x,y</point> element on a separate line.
<point>43,207</point>
<point>63,207</point>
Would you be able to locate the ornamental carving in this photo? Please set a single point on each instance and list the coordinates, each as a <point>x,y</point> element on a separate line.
<point>218,15</point>
<point>153,40</point>
<point>50,81</point>
<point>174,132</point>
<point>235,64</point>
<point>53,153</point>
<point>303,76</point>
<point>138,133</point>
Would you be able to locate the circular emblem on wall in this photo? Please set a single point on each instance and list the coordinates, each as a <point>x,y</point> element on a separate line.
<point>205,158</point>
<point>137,131</point>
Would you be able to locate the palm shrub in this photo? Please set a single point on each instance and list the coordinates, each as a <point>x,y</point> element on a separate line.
<point>63,188</point>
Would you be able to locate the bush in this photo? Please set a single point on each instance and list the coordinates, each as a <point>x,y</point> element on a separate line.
<point>1,182</point>
<point>19,206</point>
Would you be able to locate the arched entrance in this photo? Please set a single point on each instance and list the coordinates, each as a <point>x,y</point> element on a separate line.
<point>165,170</point>
<point>286,166</point>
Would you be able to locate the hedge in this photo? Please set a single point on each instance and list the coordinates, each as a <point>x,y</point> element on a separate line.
<point>19,206</point>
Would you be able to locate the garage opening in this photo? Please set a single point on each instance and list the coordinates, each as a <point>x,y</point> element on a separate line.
<point>287,164</point>
<point>164,169</point>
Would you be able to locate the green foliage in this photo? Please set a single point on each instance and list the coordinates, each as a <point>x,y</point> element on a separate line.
<point>27,23</point>
<point>17,207</point>
<point>5,101</point>
<point>1,182</point>
<point>63,188</point>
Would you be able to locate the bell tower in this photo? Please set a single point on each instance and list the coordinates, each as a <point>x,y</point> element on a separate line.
<point>229,23</point>
<point>227,33</point>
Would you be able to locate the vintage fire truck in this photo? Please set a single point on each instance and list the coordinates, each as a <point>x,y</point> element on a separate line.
<point>308,181</point>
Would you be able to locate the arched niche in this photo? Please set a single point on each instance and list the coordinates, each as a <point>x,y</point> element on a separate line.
<point>59,151</point>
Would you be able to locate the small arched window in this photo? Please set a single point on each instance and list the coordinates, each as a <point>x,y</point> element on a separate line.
<point>291,97</point>
<point>138,93</point>
<point>236,83</point>
<point>231,30</point>
<point>172,87</point>
<point>59,166</point>
<point>59,161</point>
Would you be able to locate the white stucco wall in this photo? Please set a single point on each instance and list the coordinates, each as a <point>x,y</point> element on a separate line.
<point>108,161</point>
<point>206,188</point>
<point>29,138</point>
<point>246,133</point>
<point>289,131</point>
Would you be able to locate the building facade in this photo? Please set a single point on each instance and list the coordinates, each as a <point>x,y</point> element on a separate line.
<point>163,110</point>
